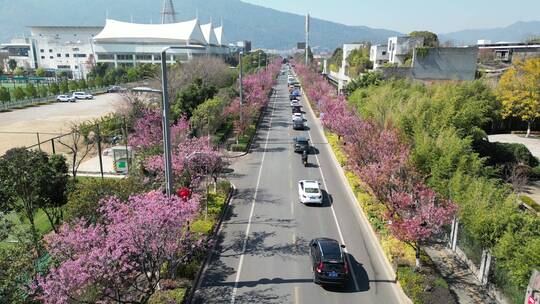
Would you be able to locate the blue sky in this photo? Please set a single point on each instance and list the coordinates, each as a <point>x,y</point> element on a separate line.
<point>440,16</point>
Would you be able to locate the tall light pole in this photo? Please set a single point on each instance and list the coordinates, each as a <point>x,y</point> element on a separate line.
<point>307,38</point>
<point>165,112</point>
<point>165,117</point>
<point>241,88</point>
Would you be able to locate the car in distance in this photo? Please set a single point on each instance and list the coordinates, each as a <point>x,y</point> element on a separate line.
<point>295,103</point>
<point>115,89</point>
<point>309,192</point>
<point>328,262</point>
<point>301,144</point>
<point>82,95</point>
<point>65,98</point>
<point>298,124</point>
<point>296,110</point>
<point>298,116</point>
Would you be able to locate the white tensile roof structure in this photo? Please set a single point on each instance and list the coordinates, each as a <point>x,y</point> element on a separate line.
<point>209,34</point>
<point>188,32</point>
<point>218,32</point>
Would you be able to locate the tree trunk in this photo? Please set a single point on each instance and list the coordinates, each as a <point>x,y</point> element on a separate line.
<point>35,238</point>
<point>417,257</point>
<point>528,128</point>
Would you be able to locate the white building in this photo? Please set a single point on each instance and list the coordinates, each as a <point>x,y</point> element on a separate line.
<point>77,49</point>
<point>378,54</point>
<point>400,48</point>
<point>127,44</point>
<point>20,50</point>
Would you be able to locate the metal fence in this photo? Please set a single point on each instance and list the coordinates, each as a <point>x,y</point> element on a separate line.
<point>4,106</point>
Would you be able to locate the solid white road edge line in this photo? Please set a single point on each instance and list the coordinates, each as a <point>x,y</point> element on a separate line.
<point>248,228</point>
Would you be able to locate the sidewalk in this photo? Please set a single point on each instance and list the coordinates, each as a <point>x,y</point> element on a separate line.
<point>459,277</point>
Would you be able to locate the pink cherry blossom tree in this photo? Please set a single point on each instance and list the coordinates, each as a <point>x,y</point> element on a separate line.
<point>122,259</point>
<point>418,214</point>
<point>381,159</point>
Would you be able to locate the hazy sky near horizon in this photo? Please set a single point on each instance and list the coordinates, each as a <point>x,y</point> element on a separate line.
<point>440,16</point>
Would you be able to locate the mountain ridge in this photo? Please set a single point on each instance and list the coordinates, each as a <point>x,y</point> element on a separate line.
<point>265,27</point>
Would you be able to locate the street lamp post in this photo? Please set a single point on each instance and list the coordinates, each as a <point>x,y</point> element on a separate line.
<point>165,114</point>
<point>165,111</point>
<point>241,90</point>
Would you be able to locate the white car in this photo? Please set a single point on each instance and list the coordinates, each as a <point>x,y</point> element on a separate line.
<point>298,116</point>
<point>309,192</point>
<point>295,103</point>
<point>82,95</point>
<point>65,98</point>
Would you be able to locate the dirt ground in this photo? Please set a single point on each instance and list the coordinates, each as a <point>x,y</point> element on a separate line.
<point>20,127</point>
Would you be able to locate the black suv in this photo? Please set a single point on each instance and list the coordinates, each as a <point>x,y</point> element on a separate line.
<point>328,262</point>
<point>301,144</point>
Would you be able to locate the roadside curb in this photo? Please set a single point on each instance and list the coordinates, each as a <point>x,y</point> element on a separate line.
<point>363,220</point>
<point>198,278</point>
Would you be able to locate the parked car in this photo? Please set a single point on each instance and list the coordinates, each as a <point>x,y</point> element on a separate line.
<point>301,144</point>
<point>295,103</point>
<point>82,95</point>
<point>115,89</point>
<point>65,98</point>
<point>298,124</point>
<point>328,262</point>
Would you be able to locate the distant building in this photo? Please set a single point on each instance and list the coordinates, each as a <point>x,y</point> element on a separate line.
<point>400,48</point>
<point>507,52</point>
<point>378,54</point>
<point>76,49</point>
<point>54,48</point>
<point>128,44</point>
<point>445,63</point>
<point>245,45</point>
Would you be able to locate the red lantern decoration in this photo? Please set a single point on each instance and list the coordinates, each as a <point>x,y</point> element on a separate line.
<point>184,193</point>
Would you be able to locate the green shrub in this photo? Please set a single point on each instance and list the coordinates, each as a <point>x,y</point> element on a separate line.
<point>188,270</point>
<point>202,226</point>
<point>18,93</point>
<point>84,200</point>
<point>173,296</point>
<point>240,147</point>
<point>4,94</point>
<point>54,89</point>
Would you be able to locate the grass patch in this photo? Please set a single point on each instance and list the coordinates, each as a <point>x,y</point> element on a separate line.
<point>168,296</point>
<point>202,226</point>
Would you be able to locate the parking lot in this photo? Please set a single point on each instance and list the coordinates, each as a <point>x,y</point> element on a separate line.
<point>20,127</point>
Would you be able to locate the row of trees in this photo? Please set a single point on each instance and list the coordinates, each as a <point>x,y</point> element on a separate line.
<point>137,242</point>
<point>445,124</point>
<point>414,212</point>
<point>31,90</point>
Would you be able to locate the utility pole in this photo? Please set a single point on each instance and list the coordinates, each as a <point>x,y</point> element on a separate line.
<point>165,123</point>
<point>241,88</point>
<point>307,38</point>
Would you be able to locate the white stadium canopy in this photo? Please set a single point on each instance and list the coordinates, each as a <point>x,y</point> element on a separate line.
<point>218,32</point>
<point>209,34</point>
<point>186,33</point>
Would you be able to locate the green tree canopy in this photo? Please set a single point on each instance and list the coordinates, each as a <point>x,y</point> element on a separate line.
<point>191,97</point>
<point>40,72</point>
<point>12,64</point>
<point>430,39</point>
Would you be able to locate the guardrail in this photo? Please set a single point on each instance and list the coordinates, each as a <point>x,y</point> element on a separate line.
<point>4,106</point>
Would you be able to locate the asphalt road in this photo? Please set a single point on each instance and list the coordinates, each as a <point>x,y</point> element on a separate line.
<point>263,255</point>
